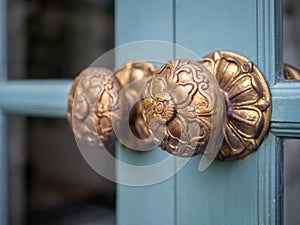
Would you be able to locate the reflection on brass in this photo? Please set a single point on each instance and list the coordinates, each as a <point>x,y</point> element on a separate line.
<point>128,73</point>
<point>179,105</point>
<point>178,110</point>
<point>291,73</point>
<point>93,96</point>
<point>71,98</point>
<point>248,102</point>
<point>133,70</point>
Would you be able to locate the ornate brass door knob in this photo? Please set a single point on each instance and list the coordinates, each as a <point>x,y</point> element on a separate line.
<point>94,102</point>
<point>186,107</point>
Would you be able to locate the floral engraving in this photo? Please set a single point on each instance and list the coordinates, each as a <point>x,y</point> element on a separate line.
<point>247,100</point>
<point>177,107</point>
<point>91,105</point>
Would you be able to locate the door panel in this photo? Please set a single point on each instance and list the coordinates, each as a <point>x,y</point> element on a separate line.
<point>244,191</point>
<point>241,192</point>
<point>154,204</point>
<point>207,26</point>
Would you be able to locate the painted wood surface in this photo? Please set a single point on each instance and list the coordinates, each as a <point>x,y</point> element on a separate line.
<point>154,204</point>
<point>240,192</point>
<point>35,97</point>
<point>286,99</point>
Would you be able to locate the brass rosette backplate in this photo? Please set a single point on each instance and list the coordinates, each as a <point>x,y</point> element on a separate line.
<point>183,104</point>
<point>248,102</point>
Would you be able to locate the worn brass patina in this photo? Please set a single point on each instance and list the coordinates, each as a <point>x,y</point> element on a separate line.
<point>134,71</point>
<point>94,101</point>
<point>291,73</point>
<point>91,101</point>
<point>182,104</point>
<point>248,102</point>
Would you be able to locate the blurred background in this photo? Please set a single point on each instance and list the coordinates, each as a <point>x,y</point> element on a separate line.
<point>49,182</point>
<point>291,147</point>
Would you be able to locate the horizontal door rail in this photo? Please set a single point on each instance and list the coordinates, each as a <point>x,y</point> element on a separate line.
<point>49,98</point>
<point>286,98</point>
<point>35,97</point>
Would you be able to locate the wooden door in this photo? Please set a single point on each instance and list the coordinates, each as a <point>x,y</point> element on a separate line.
<point>241,192</point>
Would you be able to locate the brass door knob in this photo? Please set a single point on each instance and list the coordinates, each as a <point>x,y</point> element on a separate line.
<point>291,73</point>
<point>94,103</point>
<point>221,101</point>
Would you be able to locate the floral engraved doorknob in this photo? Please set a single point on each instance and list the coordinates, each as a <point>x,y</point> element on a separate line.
<point>220,103</point>
<point>184,100</point>
<point>92,100</point>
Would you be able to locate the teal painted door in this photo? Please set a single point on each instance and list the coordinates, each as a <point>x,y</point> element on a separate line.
<point>244,192</point>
